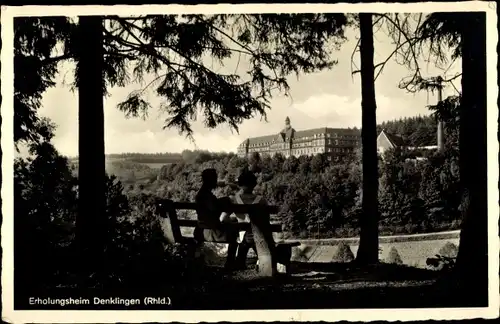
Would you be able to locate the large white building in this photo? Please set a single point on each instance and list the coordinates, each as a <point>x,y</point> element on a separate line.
<point>289,142</point>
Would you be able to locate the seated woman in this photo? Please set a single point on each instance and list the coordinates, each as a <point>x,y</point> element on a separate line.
<point>209,210</point>
<point>246,182</point>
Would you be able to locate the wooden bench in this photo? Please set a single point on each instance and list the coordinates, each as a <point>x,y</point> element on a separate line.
<point>171,225</point>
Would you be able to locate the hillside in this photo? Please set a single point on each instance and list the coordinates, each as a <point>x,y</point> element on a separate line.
<point>415,131</point>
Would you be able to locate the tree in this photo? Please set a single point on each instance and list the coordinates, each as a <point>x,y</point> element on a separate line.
<point>44,202</point>
<point>397,26</point>
<point>92,226</point>
<point>465,35</point>
<point>368,244</point>
<point>448,110</point>
<point>35,67</point>
<point>472,259</point>
<point>318,163</point>
<point>173,49</point>
<point>254,161</point>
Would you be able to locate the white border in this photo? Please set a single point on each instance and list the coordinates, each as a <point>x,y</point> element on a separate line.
<point>9,315</point>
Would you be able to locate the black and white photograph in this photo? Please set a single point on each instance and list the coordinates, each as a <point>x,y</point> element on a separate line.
<point>238,163</point>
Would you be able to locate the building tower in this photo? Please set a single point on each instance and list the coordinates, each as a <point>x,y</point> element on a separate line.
<point>287,135</point>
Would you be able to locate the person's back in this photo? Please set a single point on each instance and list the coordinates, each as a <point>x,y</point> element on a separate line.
<point>208,210</point>
<point>247,182</point>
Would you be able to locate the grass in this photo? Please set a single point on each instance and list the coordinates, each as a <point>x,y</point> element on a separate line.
<point>311,286</point>
<point>333,285</point>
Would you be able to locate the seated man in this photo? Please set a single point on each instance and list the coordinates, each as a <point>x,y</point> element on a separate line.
<point>247,182</point>
<point>209,211</point>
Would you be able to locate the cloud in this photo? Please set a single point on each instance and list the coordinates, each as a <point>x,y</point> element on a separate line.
<point>341,111</point>
<point>329,98</point>
<point>123,134</point>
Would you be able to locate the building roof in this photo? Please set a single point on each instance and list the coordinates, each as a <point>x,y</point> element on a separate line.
<point>326,130</point>
<point>395,140</point>
<point>301,134</point>
<point>262,139</point>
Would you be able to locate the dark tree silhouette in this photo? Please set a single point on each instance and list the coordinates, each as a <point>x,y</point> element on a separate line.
<point>368,245</point>
<point>35,68</point>
<point>472,259</point>
<point>465,34</point>
<point>92,224</point>
<point>173,49</point>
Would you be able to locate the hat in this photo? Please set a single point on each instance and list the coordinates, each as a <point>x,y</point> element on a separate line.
<point>247,179</point>
<point>208,174</point>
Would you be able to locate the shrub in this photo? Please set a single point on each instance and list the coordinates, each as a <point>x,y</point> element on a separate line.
<point>301,254</point>
<point>441,263</point>
<point>343,253</point>
<point>449,250</point>
<point>394,256</point>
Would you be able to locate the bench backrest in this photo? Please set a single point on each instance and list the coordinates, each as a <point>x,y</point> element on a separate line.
<point>235,208</point>
<point>170,224</point>
<point>169,221</point>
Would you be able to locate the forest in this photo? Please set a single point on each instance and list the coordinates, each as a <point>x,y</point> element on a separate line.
<point>319,198</point>
<point>415,131</point>
<point>107,224</point>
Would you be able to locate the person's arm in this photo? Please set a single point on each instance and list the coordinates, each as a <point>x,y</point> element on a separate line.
<point>208,209</point>
<point>225,216</point>
<point>264,202</point>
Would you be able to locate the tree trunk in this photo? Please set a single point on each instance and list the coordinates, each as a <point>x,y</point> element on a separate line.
<point>472,260</point>
<point>440,125</point>
<point>91,221</point>
<point>368,243</point>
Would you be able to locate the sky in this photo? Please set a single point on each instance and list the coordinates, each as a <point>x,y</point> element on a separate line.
<point>330,98</point>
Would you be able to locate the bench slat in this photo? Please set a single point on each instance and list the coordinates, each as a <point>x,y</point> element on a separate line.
<point>233,208</point>
<point>276,228</point>
<point>292,244</point>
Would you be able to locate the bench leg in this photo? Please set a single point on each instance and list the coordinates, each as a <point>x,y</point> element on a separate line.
<point>241,256</point>
<point>264,246</point>
<point>287,268</point>
<point>286,258</point>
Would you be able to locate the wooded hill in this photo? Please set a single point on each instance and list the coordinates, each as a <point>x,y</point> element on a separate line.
<point>415,131</point>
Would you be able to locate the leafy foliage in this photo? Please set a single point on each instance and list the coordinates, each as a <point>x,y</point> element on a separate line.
<point>175,48</point>
<point>45,198</point>
<point>324,202</point>
<point>442,31</point>
<point>174,52</point>
<point>448,111</point>
<point>35,66</point>
<point>415,131</point>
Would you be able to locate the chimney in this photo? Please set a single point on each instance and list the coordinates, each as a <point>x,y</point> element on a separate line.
<point>440,128</point>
